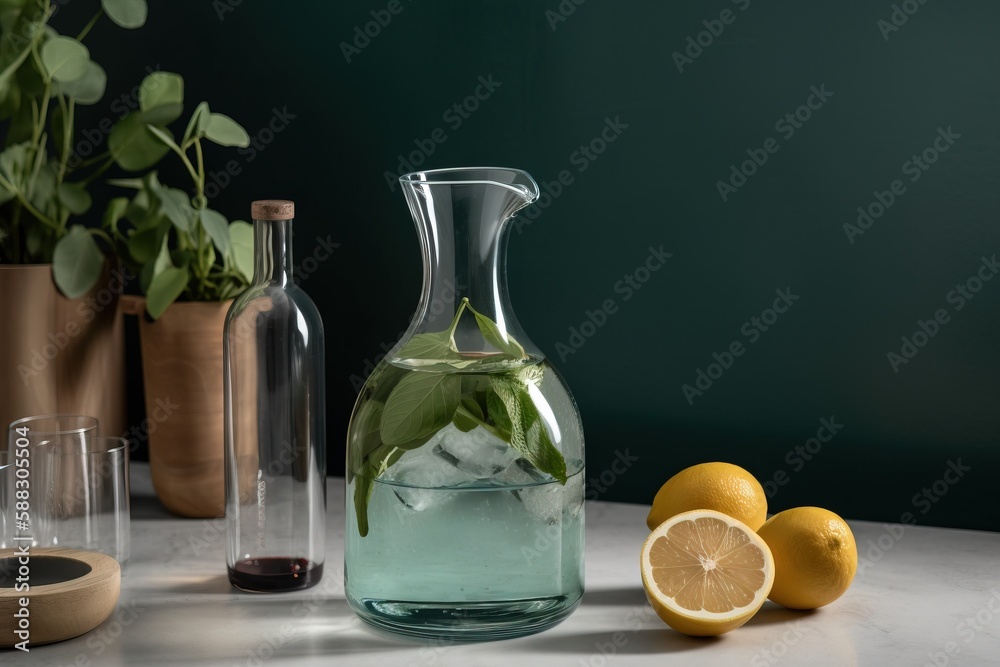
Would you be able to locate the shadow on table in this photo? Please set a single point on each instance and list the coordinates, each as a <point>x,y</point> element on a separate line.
<point>206,631</point>
<point>772,614</point>
<point>211,585</point>
<point>624,597</point>
<point>145,506</point>
<point>623,642</point>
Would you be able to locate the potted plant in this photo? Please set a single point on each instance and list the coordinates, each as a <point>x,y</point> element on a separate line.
<point>190,262</point>
<point>57,354</point>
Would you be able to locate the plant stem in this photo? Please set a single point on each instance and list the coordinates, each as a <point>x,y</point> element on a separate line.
<point>100,170</point>
<point>86,28</point>
<point>68,109</point>
<point>454,321</point>
<point>200,182</point>
<point>95,159</point>
<point>188,165</point>
<point>21,57</point>
<point>44,109</point>
<point>44,219</point>
<point>100,232</point>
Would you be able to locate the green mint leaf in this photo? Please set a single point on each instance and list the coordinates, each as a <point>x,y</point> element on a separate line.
<point>468,415</point>
<point>501,340</point>
<point>419,406</point>
<point>377,462</point>
<point>364,435</point>
<point>544,454</point>
<point>497,410</point>
<point>434,346</point>
<point>512,409</point>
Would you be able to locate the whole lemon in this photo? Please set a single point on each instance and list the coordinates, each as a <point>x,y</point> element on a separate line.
<point>722,487</point>
<point>815,556</point>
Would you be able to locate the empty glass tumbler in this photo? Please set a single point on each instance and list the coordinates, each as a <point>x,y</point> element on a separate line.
<point>67,487</point>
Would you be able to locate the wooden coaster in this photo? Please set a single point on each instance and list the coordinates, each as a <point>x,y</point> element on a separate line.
<point>71,592</point>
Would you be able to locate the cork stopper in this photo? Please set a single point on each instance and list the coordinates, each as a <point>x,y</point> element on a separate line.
<point>272,209</point>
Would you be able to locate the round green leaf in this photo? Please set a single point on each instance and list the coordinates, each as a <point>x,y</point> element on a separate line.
<point>115,211</point>
<point>241,236</point>
<point>89,88</point>
<point>126,13</point>
<point>199,121</point>
<point>74,197</point>
<point>225,131</point>
<point>217,227</point>
<point>144,244</point>
<point>43,189</point>
<point>13,162</point>
<point>177,207</point>
<point>163,92</point>
<point>164,290</point>
<point>133,145</point>
<point>76,262</point>
<point>64,58</point>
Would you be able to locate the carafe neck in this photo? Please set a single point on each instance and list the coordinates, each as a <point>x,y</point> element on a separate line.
<point>461,217</point>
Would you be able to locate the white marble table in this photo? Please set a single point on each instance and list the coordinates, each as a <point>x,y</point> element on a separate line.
<point>927,596</point>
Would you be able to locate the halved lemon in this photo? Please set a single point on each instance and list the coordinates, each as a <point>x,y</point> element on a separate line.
<point>706,573</point>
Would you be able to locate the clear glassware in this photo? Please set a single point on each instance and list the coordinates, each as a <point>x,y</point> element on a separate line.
<point>88,498</point>
<point>465,453</point>
<point>30,441</point>
<point>275,428</point>
<point>7,479</point>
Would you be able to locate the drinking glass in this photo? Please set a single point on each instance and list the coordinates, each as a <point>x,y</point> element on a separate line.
<point>77,483</point>
<point>6,481</point>
<point>29,440</point>
<point>89,501</point>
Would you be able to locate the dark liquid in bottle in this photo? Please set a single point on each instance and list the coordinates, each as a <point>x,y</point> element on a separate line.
<point>274,574</point>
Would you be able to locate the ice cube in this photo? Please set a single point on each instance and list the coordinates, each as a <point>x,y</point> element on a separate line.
<point>572,499</point>
<point>539,493</point>
<point>478,452</point>
<point>423,480</point>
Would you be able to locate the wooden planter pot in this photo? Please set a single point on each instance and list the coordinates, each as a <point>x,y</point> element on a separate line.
<point>58,354</point>
<point>182,377</point>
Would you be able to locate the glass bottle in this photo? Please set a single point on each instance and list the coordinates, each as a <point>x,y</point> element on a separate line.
<point>275,419</point>
<point>465,451</point>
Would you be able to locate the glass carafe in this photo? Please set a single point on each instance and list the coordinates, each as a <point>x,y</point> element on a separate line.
<point>465,452</point>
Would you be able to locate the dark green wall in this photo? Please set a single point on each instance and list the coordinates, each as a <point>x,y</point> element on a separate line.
<point>656,184</point>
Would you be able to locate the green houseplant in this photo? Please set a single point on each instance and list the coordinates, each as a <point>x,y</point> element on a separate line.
<point>44,76</point>
<point>177,246</point>
<point>56,354</point>
<point>188,260</point>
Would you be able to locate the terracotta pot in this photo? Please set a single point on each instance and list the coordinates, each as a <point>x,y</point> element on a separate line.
<point>182,376</point>
<point>59,354</point>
